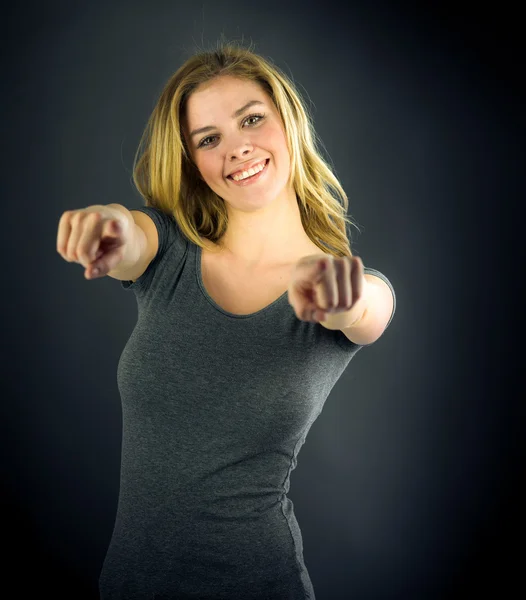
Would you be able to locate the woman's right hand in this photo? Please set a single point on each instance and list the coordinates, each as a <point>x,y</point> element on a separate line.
<point>94,237</point>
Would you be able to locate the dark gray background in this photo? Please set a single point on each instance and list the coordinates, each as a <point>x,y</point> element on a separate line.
<point>407,486</point>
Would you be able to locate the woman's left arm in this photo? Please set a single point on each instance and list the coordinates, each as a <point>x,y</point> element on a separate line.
<point>377,305</point>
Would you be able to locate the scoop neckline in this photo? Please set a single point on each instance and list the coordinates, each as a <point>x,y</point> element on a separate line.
<point>200,282</point>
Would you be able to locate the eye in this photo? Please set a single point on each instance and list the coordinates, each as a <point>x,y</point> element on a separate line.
<point>202,142</point>
<point>259,117</point>
<point>255,116</point>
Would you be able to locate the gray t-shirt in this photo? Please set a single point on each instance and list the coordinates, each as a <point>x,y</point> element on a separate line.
<point>216,408</point>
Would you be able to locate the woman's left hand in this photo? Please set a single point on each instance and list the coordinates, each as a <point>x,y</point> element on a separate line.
<point>323,284</point>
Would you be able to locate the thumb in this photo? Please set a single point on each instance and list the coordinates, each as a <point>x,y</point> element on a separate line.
<point>316,271</point>
<point>112,229</point>
<point>308,273</point>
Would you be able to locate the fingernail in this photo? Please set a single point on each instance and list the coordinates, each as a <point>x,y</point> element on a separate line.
<point>95,272</point>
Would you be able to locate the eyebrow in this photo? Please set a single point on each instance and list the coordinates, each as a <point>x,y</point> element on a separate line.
<point>238,112</point>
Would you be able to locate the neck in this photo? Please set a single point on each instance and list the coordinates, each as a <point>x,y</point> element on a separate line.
<point>270,236</point>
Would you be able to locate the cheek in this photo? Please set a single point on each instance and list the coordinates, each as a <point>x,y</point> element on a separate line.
<point>209,167</point>
<point>273,140</point>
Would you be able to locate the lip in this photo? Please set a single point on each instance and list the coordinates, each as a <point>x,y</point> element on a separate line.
<point>247,166</point>
<point>252,179</point>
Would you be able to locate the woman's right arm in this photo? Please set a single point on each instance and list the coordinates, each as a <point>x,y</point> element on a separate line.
<point>142,249</point>
<point>109,239</point>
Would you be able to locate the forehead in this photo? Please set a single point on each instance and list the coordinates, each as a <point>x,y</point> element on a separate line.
<point>220,97</point>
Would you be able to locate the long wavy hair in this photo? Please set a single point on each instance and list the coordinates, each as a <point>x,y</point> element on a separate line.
<point>167,178</point>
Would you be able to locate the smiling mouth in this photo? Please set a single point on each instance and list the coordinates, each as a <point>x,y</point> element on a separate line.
<point>250,176</point>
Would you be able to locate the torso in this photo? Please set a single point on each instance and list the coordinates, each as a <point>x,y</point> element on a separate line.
<point>243,291</point>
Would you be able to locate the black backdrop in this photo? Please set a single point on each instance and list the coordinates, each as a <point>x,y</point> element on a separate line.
<point>408,485</point>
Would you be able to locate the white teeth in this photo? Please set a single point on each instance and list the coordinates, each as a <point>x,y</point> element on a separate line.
<point>250,172</point>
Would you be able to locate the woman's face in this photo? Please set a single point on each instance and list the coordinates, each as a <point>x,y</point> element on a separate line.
<point>236,138</point>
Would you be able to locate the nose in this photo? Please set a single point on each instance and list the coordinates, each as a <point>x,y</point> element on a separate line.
<point>240,150</point>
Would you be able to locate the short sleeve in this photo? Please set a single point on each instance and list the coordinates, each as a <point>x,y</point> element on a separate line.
<point>169,234</point>
<point>342,339</point>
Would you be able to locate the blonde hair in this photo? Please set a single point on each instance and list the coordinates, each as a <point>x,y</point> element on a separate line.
<point>167,178</point>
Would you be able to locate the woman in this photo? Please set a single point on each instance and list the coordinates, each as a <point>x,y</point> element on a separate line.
<point>240,337</point>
